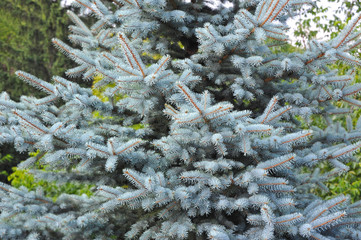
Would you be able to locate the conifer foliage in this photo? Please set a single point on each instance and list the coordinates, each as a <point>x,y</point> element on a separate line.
<point>222,148</point>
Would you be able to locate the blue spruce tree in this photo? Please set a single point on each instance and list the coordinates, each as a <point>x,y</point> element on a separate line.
<point>222,148</point>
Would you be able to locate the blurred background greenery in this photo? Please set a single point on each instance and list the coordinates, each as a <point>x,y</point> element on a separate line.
<point>26,30</point>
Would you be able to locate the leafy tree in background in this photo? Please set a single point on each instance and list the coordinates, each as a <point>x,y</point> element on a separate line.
<point>319,17</point>
<point>25,29</point>
<point>347,8</point>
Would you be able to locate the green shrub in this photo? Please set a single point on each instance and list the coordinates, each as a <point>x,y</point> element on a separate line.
<point>51,189</point>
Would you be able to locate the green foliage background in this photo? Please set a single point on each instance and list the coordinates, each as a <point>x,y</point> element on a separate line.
<point>51,189</point>
<point>26,30</point>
